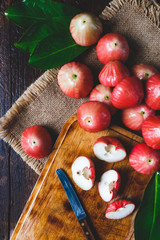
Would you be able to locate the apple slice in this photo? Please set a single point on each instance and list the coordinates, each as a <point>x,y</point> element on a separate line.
<point>83,172</point>
<point>109,185</point>
<point>144,159</point>
<point>119,209</point>
<point>109,149</point>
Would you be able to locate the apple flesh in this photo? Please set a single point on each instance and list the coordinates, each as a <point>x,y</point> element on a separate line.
<point>112,46</point>
<point>153,92</point>
<point>93,116</point>
<point>144,159</point>
<point>134,117</point>
<point>127,93</point>
<point>119,209</point>
<point>85,29</point>
<point>103,94</point>
<point>83,172</point>
<point>109,185</point>
<point>144,71</point>
<point>109,149</point>
<point>36,141</point>
<point>151,131</point>
<point>112,73</point>
<point>75,80</point>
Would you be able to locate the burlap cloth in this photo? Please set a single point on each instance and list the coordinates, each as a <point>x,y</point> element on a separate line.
<point>43,102</point>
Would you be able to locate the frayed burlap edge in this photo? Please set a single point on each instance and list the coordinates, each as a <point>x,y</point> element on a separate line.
<point>27,97</point>
<point>149,8</point>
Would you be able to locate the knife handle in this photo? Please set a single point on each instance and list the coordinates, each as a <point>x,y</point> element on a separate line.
<point>86,228</point>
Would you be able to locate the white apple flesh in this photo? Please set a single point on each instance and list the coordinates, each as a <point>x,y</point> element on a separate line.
<point>119,209</point>
<point>83,172</point>
<point>109,185</point>
<point>109,149</point>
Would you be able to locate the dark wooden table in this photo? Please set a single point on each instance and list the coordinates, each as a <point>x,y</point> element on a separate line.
<point>16,178</point>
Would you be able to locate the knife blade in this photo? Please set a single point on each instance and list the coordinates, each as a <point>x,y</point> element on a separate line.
<point>75,204</point>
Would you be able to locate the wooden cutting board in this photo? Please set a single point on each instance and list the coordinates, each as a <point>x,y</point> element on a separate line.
<point>48,214</point>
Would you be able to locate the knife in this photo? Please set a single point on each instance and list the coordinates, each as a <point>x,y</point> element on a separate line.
<point>75,204</point>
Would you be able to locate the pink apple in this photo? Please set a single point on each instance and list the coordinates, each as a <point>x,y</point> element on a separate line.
<point>93,116</point>
<point>134,117</point>
<point>127,93</point>
<point>36,141</point>
<point>153,92</point>
<point>112,46</point>
<point>86,29</point>
<point>109,149</point>
<point>75,80</point>
<point>151,131</point>
<point>144,159</point>
<point>83,172</point>
<point>109,185</point>
<point>103,94</point>
<point>144,71</point>
<point>119,209</point>
<point>112,73</point>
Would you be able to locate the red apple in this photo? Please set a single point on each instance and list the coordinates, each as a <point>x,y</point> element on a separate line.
<point>85,29</point>
<point>127,93</point>
<point>109,185</point>
<point>134,117</point>
<point>83,172</point>
<point>144,159</point>
<point>109,149</point>
<point>103,94</point>
<point>93,116</point>
<point>144,71</point>
<point>112,46</point>
<point>36,141</point>
<point>119,209</point>
<point>75,80</point>
<point>112,73</point>
<point>151,131</point>
<point>153,92</point>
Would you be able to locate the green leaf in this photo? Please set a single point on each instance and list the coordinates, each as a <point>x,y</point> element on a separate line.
<point>46,38</point>
<point>54,51</point>
<point>148,217</point>
<point>33,36</point>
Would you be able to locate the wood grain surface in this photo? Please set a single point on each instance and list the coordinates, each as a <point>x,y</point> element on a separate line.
<point>48,214</point>
<point>16,178</point>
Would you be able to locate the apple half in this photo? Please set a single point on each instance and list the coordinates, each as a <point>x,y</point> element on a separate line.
<point>119,209</point>
<point>83,172</point>
<point>109,149</point>
<point>109,185</point>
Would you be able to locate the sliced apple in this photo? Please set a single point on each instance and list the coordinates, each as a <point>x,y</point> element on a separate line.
<point>83,172</point>
<point>119,209</point>
<point>109,149</point>
<point>109,185</point>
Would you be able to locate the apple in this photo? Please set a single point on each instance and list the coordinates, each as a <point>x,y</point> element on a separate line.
<point>144,71</point>
<point>144,159</point>
<point>127,93</point>
<point>153,92</point>
<point>112,73</point>
<point>83,172</point>
<point>75,80</point>
<point>134,117</point>
<point>93,116</point>
<point>109,185</point>
<point>102,93</point>
<point>151,131</point>
<point>112,46</point>
<point>36,141</point>
<point>109,149</point>
<point>85,29</point>
<point>119,209</point>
